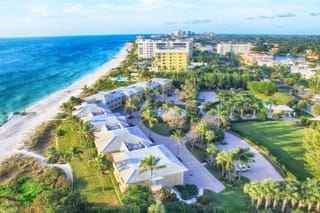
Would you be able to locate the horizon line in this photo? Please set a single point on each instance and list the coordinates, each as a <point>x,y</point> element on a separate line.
<point>137,34</point>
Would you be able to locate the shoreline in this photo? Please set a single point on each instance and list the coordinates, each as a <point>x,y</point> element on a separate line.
<point>15,130</point>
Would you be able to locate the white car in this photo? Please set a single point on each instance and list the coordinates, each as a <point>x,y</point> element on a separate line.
<point>241,167</point>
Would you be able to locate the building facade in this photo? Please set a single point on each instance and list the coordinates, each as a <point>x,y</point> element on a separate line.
<point>257,58</point>
<point>224,48</point>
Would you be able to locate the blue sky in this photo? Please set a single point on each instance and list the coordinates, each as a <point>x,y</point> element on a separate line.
<point>73,17</point>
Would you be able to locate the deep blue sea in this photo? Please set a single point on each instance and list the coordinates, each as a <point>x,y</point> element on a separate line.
<point>33,68</point>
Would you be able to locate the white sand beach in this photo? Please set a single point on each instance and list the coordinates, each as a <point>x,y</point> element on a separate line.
<point>15,131</point>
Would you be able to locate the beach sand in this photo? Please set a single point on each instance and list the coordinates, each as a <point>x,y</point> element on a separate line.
<point>14,132</point>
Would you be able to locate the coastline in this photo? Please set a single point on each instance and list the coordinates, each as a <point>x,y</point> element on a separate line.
<point>15,130</point>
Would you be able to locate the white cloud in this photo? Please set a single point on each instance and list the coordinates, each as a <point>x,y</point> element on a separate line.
<point>40,11</point>
<point>115,7</point>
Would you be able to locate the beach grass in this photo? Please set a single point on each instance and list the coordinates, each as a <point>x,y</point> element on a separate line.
<point>283,139</point>
<point>99,189</point>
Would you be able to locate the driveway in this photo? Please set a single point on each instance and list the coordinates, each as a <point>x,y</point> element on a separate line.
<point>197,174</point>
<point>261,169</point>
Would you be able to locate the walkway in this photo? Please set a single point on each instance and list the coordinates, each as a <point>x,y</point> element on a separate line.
<point>197,174</point>
<point>261,169</point>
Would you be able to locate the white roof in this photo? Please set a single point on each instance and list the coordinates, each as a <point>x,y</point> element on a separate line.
<point>145,84</point>
<point>130,91</point>
<point>162,81</point>
<point>114,140</point>
<point>109,122</point>
<point>127,163</point>
<point>92,110</point>
<point>282,108</point>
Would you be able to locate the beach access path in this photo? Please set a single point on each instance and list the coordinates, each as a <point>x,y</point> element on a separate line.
<point>14,132</point>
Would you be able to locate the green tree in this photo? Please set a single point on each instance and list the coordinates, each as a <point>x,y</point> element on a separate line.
<point>150,118</point>
<point>138,196</point>
<point>311,143</point>
<point>150,163</point>
<point>243,156</point>
<point>178,135</point>
<point>316,109</point>
<point>221,116</point>
<point>212,152</point>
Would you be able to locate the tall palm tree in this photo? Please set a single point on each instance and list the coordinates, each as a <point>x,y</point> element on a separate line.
<point>130,105</point>
<point>212,152</point>
<point>289,191</point>
<point>86,133</point>
<point>150,118</point>
<point>221,116</point>
<point>200,130</point>
<point>178,135</point>
<point>221,160</point>
<point>150,163</point>
<point>74,121</point>
<point>209,136</point>
<point>269,186</point>
<point>99,163</point>
<point>243,156</point>
<point>253,190</point>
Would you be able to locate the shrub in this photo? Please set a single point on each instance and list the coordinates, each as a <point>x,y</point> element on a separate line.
<point>203,200</point>
<point>167,195</point>
<point>60,132</point>
<point>187,191</point>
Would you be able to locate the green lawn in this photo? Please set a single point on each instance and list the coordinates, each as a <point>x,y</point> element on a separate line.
<point>161,129</point>
<point>280,98</point>
<point>230,199</point>
<point>99,189</point>
<point>283,139</point>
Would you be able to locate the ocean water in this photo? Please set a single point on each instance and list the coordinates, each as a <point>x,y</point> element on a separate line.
<point>33,68</point>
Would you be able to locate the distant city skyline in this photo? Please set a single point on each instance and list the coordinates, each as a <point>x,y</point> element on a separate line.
<point>85,17</point>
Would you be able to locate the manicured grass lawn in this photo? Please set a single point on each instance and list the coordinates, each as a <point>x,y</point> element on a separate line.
<point>98,189</point>
<point>161,129</point>
<point>280,98</point>
<point>283,139</point>
<point>231,199</point>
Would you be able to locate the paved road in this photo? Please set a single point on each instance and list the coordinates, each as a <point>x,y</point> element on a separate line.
<point>261,169</point>
<point>197,173</point>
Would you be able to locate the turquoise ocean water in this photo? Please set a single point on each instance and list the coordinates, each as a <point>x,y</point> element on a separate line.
<point>33,68</point>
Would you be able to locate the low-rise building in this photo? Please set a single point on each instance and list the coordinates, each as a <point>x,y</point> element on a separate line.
<point>121,140</point>
<point>224,48</point>
<point>257,58</point>
<point>108,122</point>
<point>126,166</point>
<point>90,110</point>
<point>113,99</point>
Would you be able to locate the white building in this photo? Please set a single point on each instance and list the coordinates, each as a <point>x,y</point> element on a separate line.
<point>148,47</point>
<point>224,48</point>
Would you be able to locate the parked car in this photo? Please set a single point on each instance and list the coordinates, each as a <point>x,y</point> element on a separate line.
<point>241,167</point>
<point>223,143</point>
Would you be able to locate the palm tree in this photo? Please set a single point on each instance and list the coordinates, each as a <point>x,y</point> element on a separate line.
<point>178,135</point>
<point>200,130</point>
<point>130,105</point>
<point>212,151</point>
<point>150,118</point>
<point>289,191</point>
<point>253,190</point>
<point>221,160</point>
<point>269,187</point>
<point>86,133</point>
<point>67,108</point>
<point>74,121</point>
<point>150,163</point>
<point>243,156</point>
<point>221,116</point>
<point>278,194</point>
<point>311,192</point>
<point>99,163</point>
<point>209,135</point>
<point>73,153</point>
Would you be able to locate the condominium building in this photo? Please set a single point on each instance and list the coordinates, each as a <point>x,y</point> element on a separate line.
<point>224,48</point>
<point>148,48</point>
<point>171,60</point>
